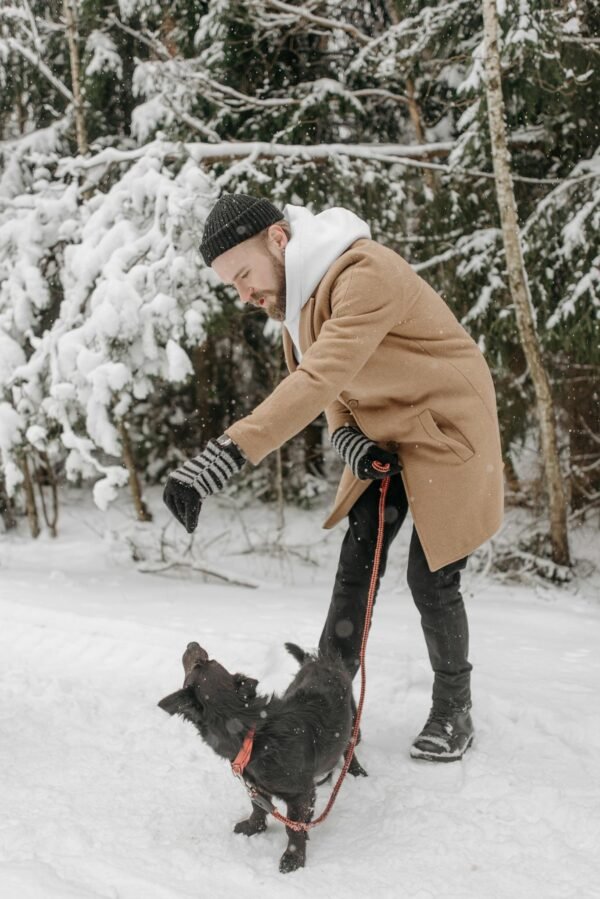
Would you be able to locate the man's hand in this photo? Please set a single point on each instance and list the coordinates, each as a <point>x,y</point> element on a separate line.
<point>366,460</point>
<point>200,477</point>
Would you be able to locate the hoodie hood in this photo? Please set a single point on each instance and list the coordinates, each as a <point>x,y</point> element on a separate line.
<point>315,244</point>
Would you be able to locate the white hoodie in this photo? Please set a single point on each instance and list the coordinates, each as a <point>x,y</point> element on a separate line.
<point>315,244</point>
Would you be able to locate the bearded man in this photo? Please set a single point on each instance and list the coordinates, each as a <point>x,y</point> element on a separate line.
<point>403,387</point>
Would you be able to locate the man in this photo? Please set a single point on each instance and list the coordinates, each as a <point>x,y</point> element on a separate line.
<point>371,343</point>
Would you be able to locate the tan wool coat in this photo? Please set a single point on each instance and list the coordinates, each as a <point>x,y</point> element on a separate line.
<point>383,352</point>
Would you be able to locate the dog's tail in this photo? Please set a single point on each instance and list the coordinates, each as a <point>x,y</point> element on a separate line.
<point>297,652</point>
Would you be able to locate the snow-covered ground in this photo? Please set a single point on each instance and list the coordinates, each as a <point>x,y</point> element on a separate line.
<point>103,795</point>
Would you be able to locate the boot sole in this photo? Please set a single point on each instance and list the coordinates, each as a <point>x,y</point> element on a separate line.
<point>422,756</point>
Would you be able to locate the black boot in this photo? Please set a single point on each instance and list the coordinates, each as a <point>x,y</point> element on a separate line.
<point>447,735</point>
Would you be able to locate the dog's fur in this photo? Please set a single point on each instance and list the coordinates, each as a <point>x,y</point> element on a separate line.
<point>300,736</point>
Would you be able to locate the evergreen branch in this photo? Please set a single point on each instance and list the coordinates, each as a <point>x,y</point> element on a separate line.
<point>439,259</point>
<point>422,24</point>
<point>551,197</point>
<point>464,249</point>
<point>34,32</point>
<point>476,173</point>
<point>247,101</point>
<point>245,98</point>
<point>331,24</point>
<point>150,42</point>
<point>191,121</point>
<point>593,43</point>
<point>35,61</point>
<point>380,92</point>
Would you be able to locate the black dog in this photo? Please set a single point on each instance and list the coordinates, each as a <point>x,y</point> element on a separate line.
<point>299,737</point>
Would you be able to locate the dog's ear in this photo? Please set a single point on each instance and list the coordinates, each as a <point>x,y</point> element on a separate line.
<point>245,686</point>
<point>179,703</point>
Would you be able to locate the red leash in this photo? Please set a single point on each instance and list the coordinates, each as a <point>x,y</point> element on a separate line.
<point>257,797</point>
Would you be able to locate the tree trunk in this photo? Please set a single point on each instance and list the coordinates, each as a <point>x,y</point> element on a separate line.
<point>32,512</point>
<point>6,507</point>
<point>519,288</point>
<point>279,489</point>
<point>73,38</point>
<point>167,30</point>
<point>415,117</point>
<point>414,109</point>
<point>21,106</point>
<point>50,478</point>
<point>202,409</point>
<point>142,511</point>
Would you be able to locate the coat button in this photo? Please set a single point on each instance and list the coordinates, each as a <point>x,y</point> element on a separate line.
<point>353,404</point>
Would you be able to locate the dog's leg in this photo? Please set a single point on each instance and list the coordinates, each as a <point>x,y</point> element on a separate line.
<point>355,768</point>
<point>256,823</point>
<point>300,808</point>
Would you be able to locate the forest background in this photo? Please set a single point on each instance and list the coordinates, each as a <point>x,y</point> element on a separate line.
<point>122,122</point>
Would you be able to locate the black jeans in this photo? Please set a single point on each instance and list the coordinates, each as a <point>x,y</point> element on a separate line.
<point>436,595</point>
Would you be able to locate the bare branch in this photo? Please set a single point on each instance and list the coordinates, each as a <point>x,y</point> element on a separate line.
<point>384,153</point>
<point>158,567</point>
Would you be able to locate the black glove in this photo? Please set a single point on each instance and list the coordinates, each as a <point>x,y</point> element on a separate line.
<point>367,461</point>
<point>200,477</point>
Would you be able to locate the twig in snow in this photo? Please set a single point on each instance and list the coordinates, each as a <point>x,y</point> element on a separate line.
<point>158,568</point>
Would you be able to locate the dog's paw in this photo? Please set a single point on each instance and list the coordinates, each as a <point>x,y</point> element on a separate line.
<point>249,827</point>
<point>292,859</point>
<point>356,769</point>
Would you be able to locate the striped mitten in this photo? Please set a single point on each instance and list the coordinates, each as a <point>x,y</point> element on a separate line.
<point>365,459</point>
<point>200,477</point>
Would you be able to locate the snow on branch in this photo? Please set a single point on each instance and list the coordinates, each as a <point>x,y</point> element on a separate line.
<point>236,149</point>
<point>133,296</point>
<point>402,154</point>
<point>334,24</point>
<point>39,64</point>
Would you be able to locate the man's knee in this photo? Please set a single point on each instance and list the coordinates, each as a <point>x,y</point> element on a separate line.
<point>419,578</point>
<point>434,588</point>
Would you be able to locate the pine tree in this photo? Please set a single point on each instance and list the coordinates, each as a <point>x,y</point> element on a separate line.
<point>378,106</point>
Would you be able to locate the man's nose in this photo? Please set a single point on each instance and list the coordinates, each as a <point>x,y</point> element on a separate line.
<point>245,294</point>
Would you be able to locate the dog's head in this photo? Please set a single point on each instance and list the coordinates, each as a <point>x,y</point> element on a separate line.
<point>210,694</point>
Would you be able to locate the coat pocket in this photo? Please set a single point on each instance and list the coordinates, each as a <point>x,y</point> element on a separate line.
<point>444,432</point>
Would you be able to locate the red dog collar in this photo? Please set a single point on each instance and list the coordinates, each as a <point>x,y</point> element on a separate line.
<point>240,762</point>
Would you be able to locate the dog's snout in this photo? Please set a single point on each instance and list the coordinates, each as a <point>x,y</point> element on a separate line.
<point>194,655</point>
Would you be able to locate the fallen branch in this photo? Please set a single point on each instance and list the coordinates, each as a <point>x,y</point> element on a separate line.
<point>518,562</point>
<point>159,567</point>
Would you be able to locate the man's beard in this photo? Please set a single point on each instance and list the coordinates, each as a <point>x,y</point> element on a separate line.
<point>275,300</point>
<point>278,309</point>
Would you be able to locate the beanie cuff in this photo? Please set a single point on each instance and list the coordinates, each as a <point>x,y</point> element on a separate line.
<point>234,219</point>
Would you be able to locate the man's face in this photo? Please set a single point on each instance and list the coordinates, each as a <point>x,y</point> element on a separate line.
<point>256,269</point>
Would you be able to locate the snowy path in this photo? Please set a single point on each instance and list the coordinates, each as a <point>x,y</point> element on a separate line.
<point>104,796</point>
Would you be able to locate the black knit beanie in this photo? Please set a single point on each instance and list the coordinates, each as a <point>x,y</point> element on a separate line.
<point>233,219</point>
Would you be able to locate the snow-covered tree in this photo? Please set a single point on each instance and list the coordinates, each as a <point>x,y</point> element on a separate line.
<point>378,106</point>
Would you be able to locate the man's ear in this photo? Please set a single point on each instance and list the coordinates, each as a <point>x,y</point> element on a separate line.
<point>245,686</point>
<point>179,703</point>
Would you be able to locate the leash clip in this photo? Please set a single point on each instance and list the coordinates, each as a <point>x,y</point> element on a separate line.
<point>261,801</point>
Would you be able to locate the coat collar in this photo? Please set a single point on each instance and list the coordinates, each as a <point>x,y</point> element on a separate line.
<point>306,335</point>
